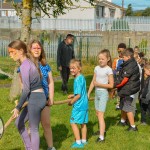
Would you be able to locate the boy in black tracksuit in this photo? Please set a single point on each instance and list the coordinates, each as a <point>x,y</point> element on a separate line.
<point>145,94</point>
<point>128,83</point>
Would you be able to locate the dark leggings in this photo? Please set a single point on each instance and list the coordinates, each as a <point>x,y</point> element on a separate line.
<point>32,112</point>
<point>145,108</point>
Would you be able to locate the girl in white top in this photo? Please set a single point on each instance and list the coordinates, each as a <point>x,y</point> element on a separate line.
<point>102,80</point>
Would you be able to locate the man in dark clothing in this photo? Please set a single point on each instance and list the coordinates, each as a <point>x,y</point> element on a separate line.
<point>65,53</point>
<point>128,83</point>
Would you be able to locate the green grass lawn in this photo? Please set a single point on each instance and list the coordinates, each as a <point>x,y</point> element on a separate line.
<point>116,139</point>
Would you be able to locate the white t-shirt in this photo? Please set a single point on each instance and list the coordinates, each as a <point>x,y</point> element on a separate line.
<point>102,74</point>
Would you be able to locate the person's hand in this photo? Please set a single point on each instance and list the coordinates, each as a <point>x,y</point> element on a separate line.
<point>70,103</point>
<point>15,113</point>
<point>60,68</point>
<point>50,102</point>
<point>95,83</point>
<point>70,96</point>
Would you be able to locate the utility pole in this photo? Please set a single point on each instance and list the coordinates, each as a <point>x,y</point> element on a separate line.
<point>1,6</point>
<point>122,8</point>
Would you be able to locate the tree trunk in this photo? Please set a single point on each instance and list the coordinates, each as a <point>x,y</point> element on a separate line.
<point>26,18</point>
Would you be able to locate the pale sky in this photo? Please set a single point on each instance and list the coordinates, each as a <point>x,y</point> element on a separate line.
<point>136,4</point>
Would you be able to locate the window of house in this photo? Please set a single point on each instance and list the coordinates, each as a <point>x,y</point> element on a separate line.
<point>4,13</point>
<point>99,11</point>
<point>112,13</point>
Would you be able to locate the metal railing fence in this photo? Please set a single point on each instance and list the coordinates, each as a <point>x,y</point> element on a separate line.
<point>102,24</point>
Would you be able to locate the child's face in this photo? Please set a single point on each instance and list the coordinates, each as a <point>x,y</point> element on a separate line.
<point>14,53</point>
<point>139,60</point>
<point>74,70</point>
<point>36,50</point>
<point>136,50</point>
<point>147,71</point>
<point>126,58</point>
<point>103,60</point>
<point>120,50</point>
<point>120,54</point>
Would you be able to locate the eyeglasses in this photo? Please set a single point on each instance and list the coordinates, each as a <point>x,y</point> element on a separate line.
<point>34,48</point>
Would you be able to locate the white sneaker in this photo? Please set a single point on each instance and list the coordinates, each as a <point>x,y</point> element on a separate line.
<point>51,148</point>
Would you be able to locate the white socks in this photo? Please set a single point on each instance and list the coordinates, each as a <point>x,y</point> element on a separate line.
<point>83,141</point>
<point>101,137</point>
<point>123,121</point>
<point>133,126</point>
<point>78,142</point>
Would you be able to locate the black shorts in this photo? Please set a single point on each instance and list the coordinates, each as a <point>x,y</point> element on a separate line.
<point>126,104</point>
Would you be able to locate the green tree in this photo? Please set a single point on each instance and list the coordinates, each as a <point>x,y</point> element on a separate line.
<point>129,11</point>
<point>138,13</point>
<point>146,12</point>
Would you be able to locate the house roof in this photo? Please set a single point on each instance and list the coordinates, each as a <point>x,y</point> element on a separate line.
<point>107,3</point>
<point>7,5</point>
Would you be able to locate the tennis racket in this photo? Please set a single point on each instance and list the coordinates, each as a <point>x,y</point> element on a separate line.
<point>1,127</point>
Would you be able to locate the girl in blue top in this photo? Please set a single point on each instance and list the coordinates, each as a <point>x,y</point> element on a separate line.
<point>37,51</point>
<point>80,105</point>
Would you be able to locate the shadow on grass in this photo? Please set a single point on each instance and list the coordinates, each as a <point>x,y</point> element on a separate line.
<point>111,121</point>
<point>90,128</point>
<point>60,132</point>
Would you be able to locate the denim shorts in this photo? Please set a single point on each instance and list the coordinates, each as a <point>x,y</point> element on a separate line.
<point>101,98</point>
<point>79,117</point>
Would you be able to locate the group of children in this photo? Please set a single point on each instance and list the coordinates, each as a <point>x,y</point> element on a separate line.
<point>125,75</point>
<point>129,74</point>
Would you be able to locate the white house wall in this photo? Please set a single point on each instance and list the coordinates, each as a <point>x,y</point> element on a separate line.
<point>80,13</point>
<point>107,12</point>
<point>118,13</point>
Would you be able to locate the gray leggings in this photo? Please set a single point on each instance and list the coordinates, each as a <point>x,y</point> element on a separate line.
<point>32,112</point>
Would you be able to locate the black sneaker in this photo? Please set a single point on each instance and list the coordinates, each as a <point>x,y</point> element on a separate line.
<point>98,133</point>
<point>122,123</point>
<point>65,92</point>
<point>143,123</point>
<point>51,148</point>
<point>132,129</point>
<point>99,140</point>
